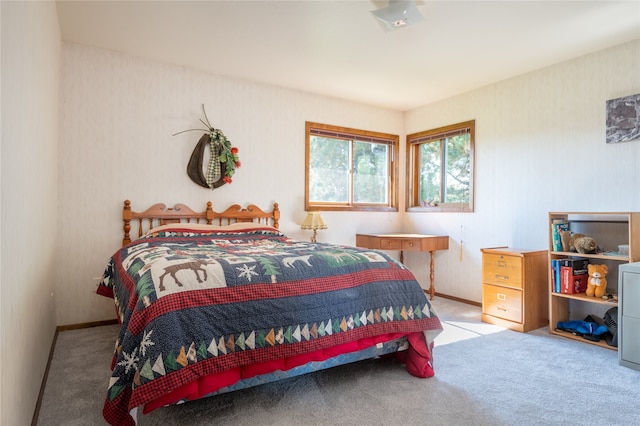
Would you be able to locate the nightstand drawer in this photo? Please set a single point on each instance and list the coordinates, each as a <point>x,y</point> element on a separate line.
<point>501,269</point>
<point>410,244</point>
<point>390,244</point>
<point>406,244</point>
<point>502,302</point>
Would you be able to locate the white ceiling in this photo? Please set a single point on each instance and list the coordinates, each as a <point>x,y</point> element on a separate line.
<point>337,48</point>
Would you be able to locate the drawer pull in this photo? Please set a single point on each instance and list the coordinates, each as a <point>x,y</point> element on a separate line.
<point>502,296</point>
<point>502,309</point>
<point>411,244</point>
<point>502,277</point>
<point>502,264</point>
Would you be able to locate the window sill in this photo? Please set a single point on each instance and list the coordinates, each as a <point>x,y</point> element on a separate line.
<point>438,209</point>
<point>329,208</point>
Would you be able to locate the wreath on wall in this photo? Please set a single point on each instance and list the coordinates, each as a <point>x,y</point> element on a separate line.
<point>223,157</point>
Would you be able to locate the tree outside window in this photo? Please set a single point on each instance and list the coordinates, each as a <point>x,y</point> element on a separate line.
<point>440,168</point>
<point>349,169</point>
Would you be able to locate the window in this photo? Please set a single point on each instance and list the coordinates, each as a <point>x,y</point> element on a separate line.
<point>440,169</point>
<point>349,169</point>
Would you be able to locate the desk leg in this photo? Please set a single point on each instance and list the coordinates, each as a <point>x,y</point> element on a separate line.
<point>432,287</point>
<point>401,257</point>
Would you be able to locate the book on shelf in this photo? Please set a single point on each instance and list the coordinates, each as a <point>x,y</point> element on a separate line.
<point>555,275</point>
<point>570,283</point>
<point>569,275</point>
<point>557,226</point>
<point>578,264</point>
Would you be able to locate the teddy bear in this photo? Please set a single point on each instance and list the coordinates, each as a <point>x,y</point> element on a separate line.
<point>597,282</point>
<point>582,244</point>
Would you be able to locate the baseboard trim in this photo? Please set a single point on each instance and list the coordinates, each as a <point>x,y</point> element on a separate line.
<point>458,299</point>
<point>36,412</point>
<point>86,325</point>
<point>60,328</point>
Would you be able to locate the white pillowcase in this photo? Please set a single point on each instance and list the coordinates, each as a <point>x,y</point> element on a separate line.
<point>204,227</point>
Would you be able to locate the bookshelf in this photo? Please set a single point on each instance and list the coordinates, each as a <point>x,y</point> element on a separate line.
<point>609,229</point>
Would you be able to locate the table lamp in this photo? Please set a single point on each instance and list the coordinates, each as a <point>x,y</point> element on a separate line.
<point>313,221</point>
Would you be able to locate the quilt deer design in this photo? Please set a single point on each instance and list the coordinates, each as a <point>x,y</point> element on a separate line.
<point>173,269</point>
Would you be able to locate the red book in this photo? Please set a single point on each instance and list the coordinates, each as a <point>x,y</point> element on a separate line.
<point>572,284</point>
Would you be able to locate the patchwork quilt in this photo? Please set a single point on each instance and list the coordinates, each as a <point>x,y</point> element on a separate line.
<point>202,309</point>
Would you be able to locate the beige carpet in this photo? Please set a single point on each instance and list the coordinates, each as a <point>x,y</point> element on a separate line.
<point>485,375</point>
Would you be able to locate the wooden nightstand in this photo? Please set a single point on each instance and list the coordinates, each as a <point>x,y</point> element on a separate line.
<point>515,288</point>
<point>408,242</point>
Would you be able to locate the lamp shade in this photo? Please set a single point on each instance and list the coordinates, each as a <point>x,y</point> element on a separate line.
<point>313,221</point>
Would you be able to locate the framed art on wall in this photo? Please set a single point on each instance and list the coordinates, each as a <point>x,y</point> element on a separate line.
<point>623,119</point>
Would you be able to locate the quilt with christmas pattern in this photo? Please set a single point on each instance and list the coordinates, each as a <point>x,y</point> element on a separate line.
<point>202,309</point>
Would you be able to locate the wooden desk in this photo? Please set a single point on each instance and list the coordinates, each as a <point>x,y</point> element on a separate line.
<point>407,242</point>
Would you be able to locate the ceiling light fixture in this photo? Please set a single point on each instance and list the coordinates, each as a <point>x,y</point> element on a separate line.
<point>399,14</point>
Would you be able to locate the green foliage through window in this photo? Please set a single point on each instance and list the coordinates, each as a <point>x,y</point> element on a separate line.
<point>349,169</point>
<point>441,168</point>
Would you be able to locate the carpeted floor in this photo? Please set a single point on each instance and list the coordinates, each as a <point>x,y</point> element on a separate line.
<point>485,375</point>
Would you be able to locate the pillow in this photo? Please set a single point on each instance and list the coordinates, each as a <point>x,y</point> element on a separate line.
<point>199,227</point>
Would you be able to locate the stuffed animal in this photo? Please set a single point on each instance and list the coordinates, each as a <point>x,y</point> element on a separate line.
<point>597,283</point>
<point>582,244</point>
<point>565,239</point>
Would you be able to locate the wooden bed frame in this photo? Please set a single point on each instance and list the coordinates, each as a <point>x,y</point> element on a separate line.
<point>379,341</point>
<point>160,214</point>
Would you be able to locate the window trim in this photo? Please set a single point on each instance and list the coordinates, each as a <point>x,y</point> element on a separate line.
<point>412,143</point>
<point>360,135</point>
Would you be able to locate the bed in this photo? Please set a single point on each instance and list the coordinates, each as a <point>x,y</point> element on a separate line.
<point>211,302</point>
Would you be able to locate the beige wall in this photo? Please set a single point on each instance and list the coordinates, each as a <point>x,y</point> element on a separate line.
<point>118,114</point>
<point>537,135</point>
<point>540,147</point>
<point>30,101</point>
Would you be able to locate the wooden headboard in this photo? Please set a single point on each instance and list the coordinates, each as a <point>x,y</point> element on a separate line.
<point>160,214</point>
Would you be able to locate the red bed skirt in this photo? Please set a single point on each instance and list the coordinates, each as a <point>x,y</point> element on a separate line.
<point>417,358</point>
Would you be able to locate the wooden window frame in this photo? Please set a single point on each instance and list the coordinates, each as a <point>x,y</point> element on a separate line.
<point>362,136</point>
<point>413,142</point>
